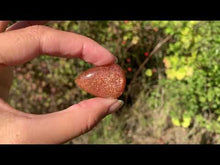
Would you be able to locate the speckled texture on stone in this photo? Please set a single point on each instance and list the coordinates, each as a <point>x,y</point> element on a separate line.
<point>103,81</point>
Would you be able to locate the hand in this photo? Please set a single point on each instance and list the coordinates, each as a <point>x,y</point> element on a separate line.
<point>21,43</point>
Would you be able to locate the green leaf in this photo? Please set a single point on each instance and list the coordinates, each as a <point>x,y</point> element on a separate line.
<point>218,119</point>
<point>202,99</point>
<point>170,73</point>
<point>217,111</point>
<point>135,40</point>
<point>180,74</point>
<point>186,121</point>
<point>189,71</point>
<point>148,72</point>
<point>176,122</point>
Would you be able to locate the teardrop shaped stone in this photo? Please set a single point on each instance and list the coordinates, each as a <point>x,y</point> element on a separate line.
<point>103,81</point>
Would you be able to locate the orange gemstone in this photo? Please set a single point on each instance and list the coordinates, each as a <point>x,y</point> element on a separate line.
<point>103,81</point>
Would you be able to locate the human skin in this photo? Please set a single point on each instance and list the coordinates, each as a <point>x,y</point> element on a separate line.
<point>26,40</point>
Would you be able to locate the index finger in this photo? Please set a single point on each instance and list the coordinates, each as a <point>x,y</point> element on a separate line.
<point>23,24</point>
<point>3,25</point>
<point>20,46</point>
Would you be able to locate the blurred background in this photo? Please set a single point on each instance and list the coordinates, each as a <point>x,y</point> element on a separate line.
<point>173,81</point>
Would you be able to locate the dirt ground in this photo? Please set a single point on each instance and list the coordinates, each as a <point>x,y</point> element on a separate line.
<point>174,135</point>
<point>151,127</point>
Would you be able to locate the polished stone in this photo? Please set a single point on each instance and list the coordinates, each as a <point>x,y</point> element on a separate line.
<point>103,81</point>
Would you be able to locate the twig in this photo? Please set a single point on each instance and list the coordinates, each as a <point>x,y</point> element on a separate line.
<point>156,48</point>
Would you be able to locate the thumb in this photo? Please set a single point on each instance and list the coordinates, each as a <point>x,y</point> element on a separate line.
<point>59,127</point>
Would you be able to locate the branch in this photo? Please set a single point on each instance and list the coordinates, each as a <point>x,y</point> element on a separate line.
<point>156,48</point>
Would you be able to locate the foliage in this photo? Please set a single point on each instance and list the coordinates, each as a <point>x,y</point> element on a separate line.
<point>183,76</point>
<point>52,79</point>
<point>193,73</point>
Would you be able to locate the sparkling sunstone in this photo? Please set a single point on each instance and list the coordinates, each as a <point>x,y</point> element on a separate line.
<point>103,81</point>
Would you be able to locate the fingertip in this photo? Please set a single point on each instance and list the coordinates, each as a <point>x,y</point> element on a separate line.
<point>109,57</point>
<point>116,106</point>
<point>97,54</point>
<point>23,24</point>
<point>3,25</point>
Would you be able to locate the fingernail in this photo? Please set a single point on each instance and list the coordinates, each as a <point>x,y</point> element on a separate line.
<point>116,60</point>
<point>116,106</point>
